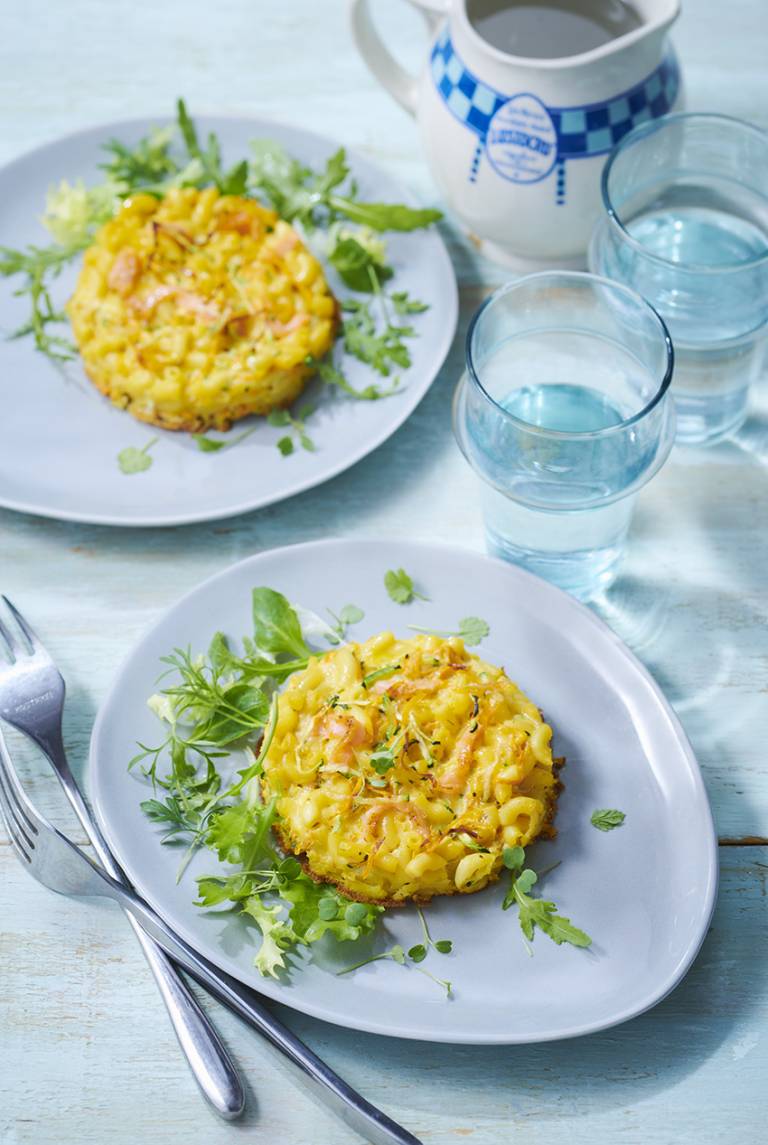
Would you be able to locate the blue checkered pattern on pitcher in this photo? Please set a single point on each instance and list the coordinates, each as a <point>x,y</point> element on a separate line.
<point>582,132</point>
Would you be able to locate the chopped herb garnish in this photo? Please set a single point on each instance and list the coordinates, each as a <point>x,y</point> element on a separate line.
<point>379,674</point>
<point>282,419</point>
<point>133,460</point>
<point>607,819</point>
<point>400,588</point>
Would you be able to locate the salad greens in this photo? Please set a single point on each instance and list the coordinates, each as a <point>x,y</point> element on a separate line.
<point>174,156</point>
<point>472,630</point>
<point>400,588</point>
<point>533,912</point>
<point>607,819</point>
<point>133,460</point>
<point>227,701</point>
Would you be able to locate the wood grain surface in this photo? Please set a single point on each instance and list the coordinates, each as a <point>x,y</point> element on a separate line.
<point>86,1054</point>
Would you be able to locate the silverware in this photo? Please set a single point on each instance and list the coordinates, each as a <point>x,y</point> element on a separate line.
<point>58,864</point>
<point>32,700</point>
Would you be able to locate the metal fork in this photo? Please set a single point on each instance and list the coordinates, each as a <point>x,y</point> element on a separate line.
<point>58,864</point>
<point>32,700</point>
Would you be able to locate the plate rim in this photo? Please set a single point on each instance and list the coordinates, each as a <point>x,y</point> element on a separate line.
<point>351,1021</point>
<point>415,393</point>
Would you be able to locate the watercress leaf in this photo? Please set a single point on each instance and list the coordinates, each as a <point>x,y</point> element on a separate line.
<point>351,614</point>
<point>327,908</point>
<point>526,880</point>
<point>133,460</point>
<point>276,626</point>
<point>513,858</point>
<point>444,946</point>
<point>473,630</point>
<point>607,819</point>
<point>397,954</point>
<point>285,445</point>
<point>417,953</point>
<point>399,586</point>
<point>355,914</point>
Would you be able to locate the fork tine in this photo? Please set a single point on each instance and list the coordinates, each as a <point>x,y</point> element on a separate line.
<point>15,836</point>
<point>34,641</point>
<point>21,809</point>
<point>12,644</point>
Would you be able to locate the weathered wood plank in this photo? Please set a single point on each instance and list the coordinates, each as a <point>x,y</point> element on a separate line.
<point>88,1056</point>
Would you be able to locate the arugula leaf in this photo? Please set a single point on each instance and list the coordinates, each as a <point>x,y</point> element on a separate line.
<point>472,630</point>
<point>133,460</point>
<point>276,626</point>
<point>39,265</point>
<point>404,304</point>
<point>399,586</point>
<point>232,182</point>
<point>533,912</point>
<point>333,376</point>
<point>607,819</point>
<point>385,216</point>
<point>380,349</point>
<point>313,198</point>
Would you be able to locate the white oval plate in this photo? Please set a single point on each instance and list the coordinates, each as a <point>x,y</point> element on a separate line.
<point>61,437</point>
<point>645,892</point>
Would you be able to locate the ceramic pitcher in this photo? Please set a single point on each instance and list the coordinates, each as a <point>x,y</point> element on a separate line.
<point>517,145</point>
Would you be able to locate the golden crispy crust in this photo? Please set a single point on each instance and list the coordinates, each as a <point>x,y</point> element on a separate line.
<point>548,831</point>
<point>198,309</point>
<point>221,421</point>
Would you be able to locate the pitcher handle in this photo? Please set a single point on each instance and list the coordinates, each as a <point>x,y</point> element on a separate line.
<point>400,84</point>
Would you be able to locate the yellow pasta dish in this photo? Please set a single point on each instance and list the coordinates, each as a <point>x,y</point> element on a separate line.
<point>401,769</point>
<point>199,308</point>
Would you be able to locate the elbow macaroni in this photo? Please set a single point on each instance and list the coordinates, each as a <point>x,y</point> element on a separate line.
<point>200,308</point>
<point>402,768</point>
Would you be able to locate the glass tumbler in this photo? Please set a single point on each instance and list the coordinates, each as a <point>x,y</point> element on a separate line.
<point>685,224</point>
<point>564,414</point>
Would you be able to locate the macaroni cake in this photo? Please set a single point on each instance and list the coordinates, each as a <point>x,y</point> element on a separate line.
<point>198,309</point>
<point>402,768</point>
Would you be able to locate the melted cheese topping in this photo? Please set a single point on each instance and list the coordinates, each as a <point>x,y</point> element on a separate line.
<point>403,767</point>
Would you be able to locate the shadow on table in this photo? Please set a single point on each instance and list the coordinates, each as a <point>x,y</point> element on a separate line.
<point>612,1070</point>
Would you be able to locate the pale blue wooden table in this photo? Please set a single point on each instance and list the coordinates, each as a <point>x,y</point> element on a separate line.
<point>86,1054</point>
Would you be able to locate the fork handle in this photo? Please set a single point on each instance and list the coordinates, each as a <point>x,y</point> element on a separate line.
<point>371,1123</point>
<point>208,1059</point>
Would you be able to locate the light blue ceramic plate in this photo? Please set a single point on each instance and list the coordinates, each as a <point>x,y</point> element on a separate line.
<point>61,437</point>
<point>645,892</point>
